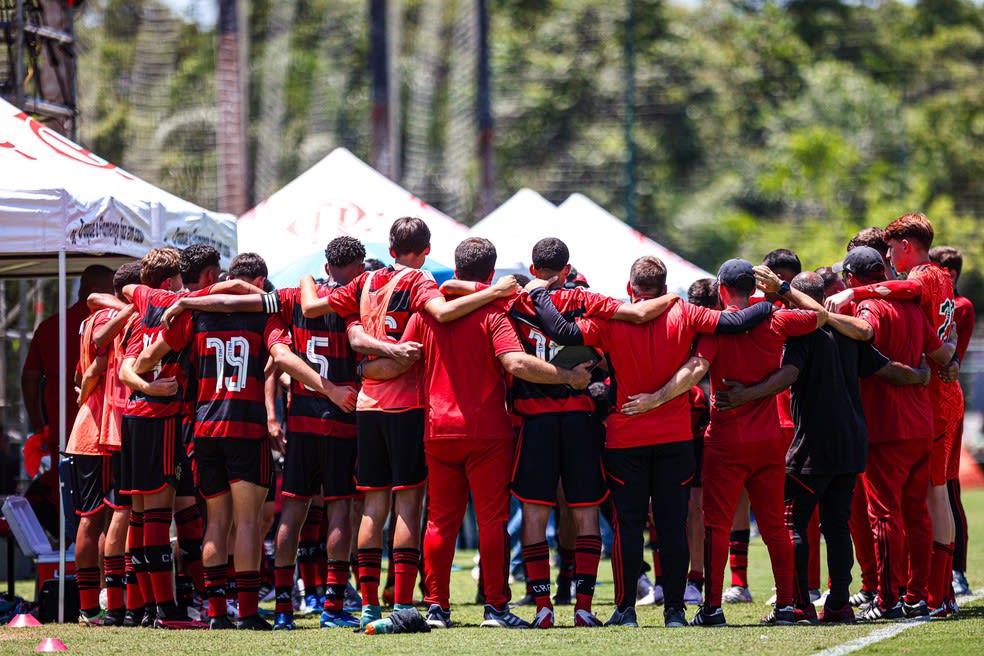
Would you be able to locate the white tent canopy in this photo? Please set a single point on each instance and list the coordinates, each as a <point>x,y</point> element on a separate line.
<point>515,226</point>
<point>57,196</point>
<point>603,248</point>
<point>340,195</point>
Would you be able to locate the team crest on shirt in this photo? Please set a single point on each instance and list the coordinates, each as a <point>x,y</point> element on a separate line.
<point>177,472</point>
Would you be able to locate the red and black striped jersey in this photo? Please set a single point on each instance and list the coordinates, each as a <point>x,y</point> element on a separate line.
<point>532,398</point>
<point>228,353</point>
<point>150,306</point>
<point>323,344</point>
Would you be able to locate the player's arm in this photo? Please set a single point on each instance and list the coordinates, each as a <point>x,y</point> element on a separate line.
<point>91,376</point>
<point>264,302</point>
<point>275,432</point>
<point>769,282</point>
<point>109,330</point>
<point>899,290</point>
<point>556,326</point>
<point>647,310</point>
<point>444,310</point>
<point>98,301</point>
<point>679,383</point>
<point>900,374</point>
<point>737,394</point>
<point>234,287</point>
<point>288,362</point>
<point>362,342</point>
<point>735,323</point>
<point>313,305</point>
<point>150,356</point>
<point>160,387</point>
<point>455,287</point>
<point>534,370</point>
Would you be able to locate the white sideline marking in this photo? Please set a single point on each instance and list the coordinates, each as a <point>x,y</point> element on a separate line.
<point>884,633</point>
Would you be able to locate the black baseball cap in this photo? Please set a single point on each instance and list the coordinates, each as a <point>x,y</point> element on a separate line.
<point>736,271</point>
<point>864,260</point>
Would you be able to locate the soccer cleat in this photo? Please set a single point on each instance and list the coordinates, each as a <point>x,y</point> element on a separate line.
<point>339,620</point>
<point>438,618</point>
<point>267,593</point>
<point>842,615</point>
<point>149,616</point>
<point>918,609</point>
<point>712,618</point>
<point>814,595</point>
<point>872,612</point>
<point>544,618</point>
<point>692,595</point>
<point>133,618</point>
<point>526,600</point>
<point>370,613</point>
<point>114,617</point>
<point>253,623</point>
<point>220,623</point>
<point>960,585</point>
<point>654,597</point>
<point>806,615</point>
<point>311,604</point>
<point>821,601</point>
<point>502,619</point>
<point>781,615</point>
<point>625,617</point>
<point>232,609</point>
<point>643,586</point>
<point>941,613</point>
<point>352,602</point>
<point>862,598</point>
<point>737,594</point>
<point>284,622</point>
<point>586,620</point>
<point>673,617</point>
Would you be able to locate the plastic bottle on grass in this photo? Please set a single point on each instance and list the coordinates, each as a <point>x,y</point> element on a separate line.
<point>379,627</point>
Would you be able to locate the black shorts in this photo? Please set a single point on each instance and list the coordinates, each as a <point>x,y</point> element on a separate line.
<point>390,448</point>
<point>220,461</point>
<point>93,481</point>
<point>150,454</point>
<point>560,447</point>
<point>698,460</point>
<point>319,465</point>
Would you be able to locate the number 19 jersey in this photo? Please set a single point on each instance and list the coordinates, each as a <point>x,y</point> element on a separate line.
<point>228,354</point>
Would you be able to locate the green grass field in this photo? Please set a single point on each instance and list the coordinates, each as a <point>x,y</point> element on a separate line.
<point>962,636</point>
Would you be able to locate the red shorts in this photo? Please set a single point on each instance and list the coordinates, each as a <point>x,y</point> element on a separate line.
<point>956,447</point>
<point>944,459</point>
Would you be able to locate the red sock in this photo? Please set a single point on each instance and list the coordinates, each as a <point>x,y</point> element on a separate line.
<point>657,567</point>
<point>587,553</point>
<point>283,581</point>
<point>309,552</point>
<point>738,557</point>
<point>134,598</point>
<point>216,582</point>
<point>189,528</point>
<point>114,573</point>
<point>322,558</point>
<point>135,545</point>
<point>248,586</point>
<point>406,563</point>
<point>370,564</point>
<point>940,574</point>
<point>335,583</point>
<point>157,552</point>
<point>87,579</point>
<point>232,589</point>
<point>536,558</point>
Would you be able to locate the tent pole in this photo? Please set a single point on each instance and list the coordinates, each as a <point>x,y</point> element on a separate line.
<point>62,401</point>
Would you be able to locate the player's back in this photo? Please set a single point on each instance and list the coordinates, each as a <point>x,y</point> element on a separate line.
<point>936,298</point>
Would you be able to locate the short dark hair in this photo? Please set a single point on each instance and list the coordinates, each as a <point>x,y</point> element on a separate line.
<point>829,275</point>
<point>158,265</point>
<point>810,283</point>
<point>783,258</point>
<point>372,264</point>
<point>127,274</point>
<point>474,259</point>
<point>343,251</point>
<point>873,237</point>
<point>408,234</point>
<point>947,257</point>
<point>914,227</point>
<point>195,259</point>
<point>550,254</point>
<point>648,274</point>
<point>248,265</point>
<point>704,292</point>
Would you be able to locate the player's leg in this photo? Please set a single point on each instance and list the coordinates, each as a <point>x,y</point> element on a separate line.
<point>738,540</point>
<point>213,485</point>
<point>447,496</point>
<point>294,540</point>
<point>695,530</point>
<point>864,545</point>
<point>884,477</point>
<point>567,533</point>
<point>247,503</point>
<point>960,585</point>
<point>813,568</point>
<point>337,465</point>
<point>919,529</point>
<point>628,472</point>
<point>802,494</point>
<point>835,512</point>
<point>404,438</point>
<point>488,467</point>
<point>944,526</point>
<point>293,512</point>
<point>671,474</point>
<point>187,514</point>
<point>91,474</point>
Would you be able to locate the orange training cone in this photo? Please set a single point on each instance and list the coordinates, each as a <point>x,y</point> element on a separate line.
<point>970,472</point>
<point>50,644</point>
<point>23,620</point>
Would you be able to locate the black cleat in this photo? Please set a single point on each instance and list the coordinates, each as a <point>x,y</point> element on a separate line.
<point>133,618</point>
<point>220,623</point>
<point>253,623</point>
<point>149,616</point>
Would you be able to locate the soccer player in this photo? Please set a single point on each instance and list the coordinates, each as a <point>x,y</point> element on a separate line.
<point>320,445</point>
<point>900,429</point>
<point>469,435</point>
<point>649,455</point>
<point>744,447</point>
<point>830,443</point>
<point>232,455</point>
<point>951,259</point>
<point>96,462</point>
<point>390,416</point>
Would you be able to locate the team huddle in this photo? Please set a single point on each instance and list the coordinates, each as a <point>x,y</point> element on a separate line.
<point>832,407</point>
